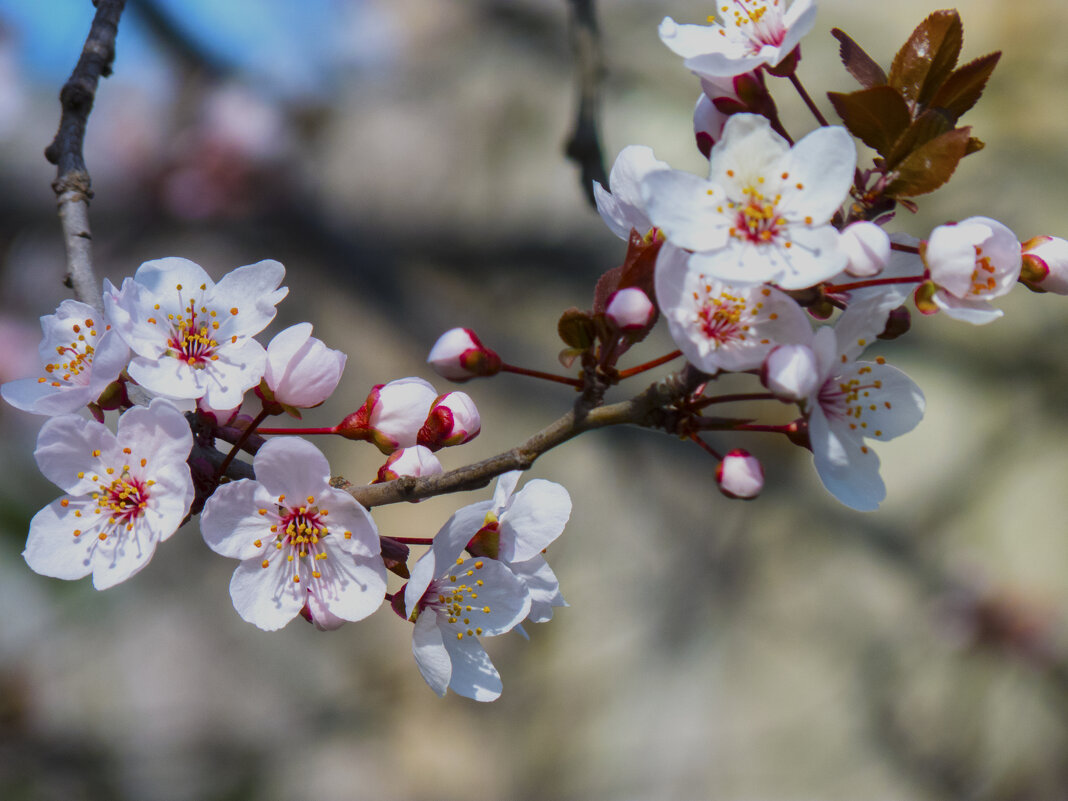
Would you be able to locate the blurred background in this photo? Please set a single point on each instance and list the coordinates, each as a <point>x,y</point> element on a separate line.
<point>404,160</point>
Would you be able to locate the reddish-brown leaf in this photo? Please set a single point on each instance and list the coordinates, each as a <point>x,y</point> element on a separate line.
<point>931,165</point>
<point>877,116</point>
<point>924,62</point>
<point>858,63</point>
<point>964,86</point>
<point>922,130</point>
<point>577,328</point>
<point>974,146</point>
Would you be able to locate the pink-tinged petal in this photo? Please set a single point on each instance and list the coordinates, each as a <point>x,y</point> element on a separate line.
<point>543,586</point>
<point>976,312</point>
<point>473,674</point>
<point>748,155</point>
<point>300,369</point>
<point>351,587</point>
<point>258,283</point>
<point>282,350</point>
<point>823,163</point>
<point>430,654</point>
<point>347,517</point>
<point>814,257</point>
<point>791,372</point>
<point>161,432</point>
<point>848,468</point>
<point>950,255</point>
<point>52,549</point>
<point>693,40</point>
<point>267,597</point>
<point>292,467</point>
<point>867,246</point>
<point>624,208</point>
<point>891,409</point>
<point>65,447</point>
<point>230,525</point>
<point>237,370</point>
<point>534,519</point>
<point>685,207</point>
<point>733,61</point>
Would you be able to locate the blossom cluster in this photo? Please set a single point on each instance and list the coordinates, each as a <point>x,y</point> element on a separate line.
<point>186,347</point>
<point>779,263</point>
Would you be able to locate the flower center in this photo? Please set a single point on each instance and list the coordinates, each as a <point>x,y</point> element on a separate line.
<point>756,220</point>
<point>455,596</point>
<point>850,400</point>
<point>299,533</point>
<point>722,317</point>
<point>759,21</point>
<point>119,502</point>
<point>73,361</point>
<point>192,336</point>
<point>983,280</point>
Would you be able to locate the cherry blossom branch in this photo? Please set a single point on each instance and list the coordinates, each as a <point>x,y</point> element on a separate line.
<point>584,145</point>
<point>72,185</point>
<point>650,409</point>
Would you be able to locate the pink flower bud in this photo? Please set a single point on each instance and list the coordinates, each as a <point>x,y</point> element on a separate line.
<point>1045,261</point>
<point>740,475</point>
<point>708,122</point>
<point>392,414</point>
<point>453,420</point>
<point>302,371</point>
<point>790,372</point>
<point>458,355</point>
<point>414,461</point>
<point>630,309</point>
<point>868,248</point>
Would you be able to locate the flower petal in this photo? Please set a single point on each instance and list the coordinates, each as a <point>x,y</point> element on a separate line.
<point>267,597</point>
<point>473,674</point>
<point>293,467</point>
<point>430,655</point>
<point>685,207</point>
<point>535,517</point>
<point>848,468</point>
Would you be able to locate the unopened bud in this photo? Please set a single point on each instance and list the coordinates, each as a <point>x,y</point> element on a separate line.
<point>414,461</point>
<point>867,247</point>
<point>1045,264</point>
<point>301,370</point>
<point>392,415</point>
<point>898,322</point>
<point>630,309</point>
<point>790,372</point>
<point>452,420</point>
<point>458,355</point>
<point>740,475</point>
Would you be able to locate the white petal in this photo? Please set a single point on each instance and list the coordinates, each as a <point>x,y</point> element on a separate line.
<point>685,207</point>
<point>976,312</point>
<point>848,468</point>
<point>266,596</point>
<point>534,519</point>
<point>430,654</point>
<point>158,432</point>
<point>351,587</point>
<point>505,488</point>
<point>231,524</point>
<point>898,402</point>
<point>543,586</point>
<point>348,516</point>
<point>293,467</point>
<point>624,208</point>
<point>473,674</point>
<point>692,40</point>
<point>65,447</point>
<point>749,151</point>
<point>52,549</point>
<point>501,593</point>
<point>449,543</point>
<point>253,291</point>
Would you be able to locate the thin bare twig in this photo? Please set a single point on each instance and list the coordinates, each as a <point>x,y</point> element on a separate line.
<point>584,144</point>
<point>72,185</point>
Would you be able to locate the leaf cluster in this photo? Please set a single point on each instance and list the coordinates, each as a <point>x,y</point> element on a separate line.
<point>909,115</point>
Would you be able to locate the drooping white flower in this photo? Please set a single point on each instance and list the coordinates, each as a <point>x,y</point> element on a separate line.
<point>763,214</point>
<point>972,263</point>
<point>853,402</point>
<point>125,493</point>
<point>300,541</point>
<point>623,208</point>
<point>80,355</point>
<point>192,337</point>
<point>459,355</point>
<point>301,371</point>
<point>723,326</point>
<point>753,33</point>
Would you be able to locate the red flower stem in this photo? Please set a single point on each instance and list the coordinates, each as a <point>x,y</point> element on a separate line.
<point>706,447</point>
<point>414,540</point>
<point>788,428</point>
<point>641,368</point>
<point>302,431</point>
<point>808,100</point>
<point>248,432</point>
<point>905,279</point>
<point>904,248</point>
<point>559,379</point>
<point>740,396</point>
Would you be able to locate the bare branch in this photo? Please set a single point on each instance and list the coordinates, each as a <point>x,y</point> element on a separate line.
<point>584,144</point>
<point>650,409</point>
<point>72,185</point>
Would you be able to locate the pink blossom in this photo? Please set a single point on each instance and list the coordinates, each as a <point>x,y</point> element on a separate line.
<point>453,420</point>
<point>459,355</point>
<point>740,475</point>
<point>301,370</point>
